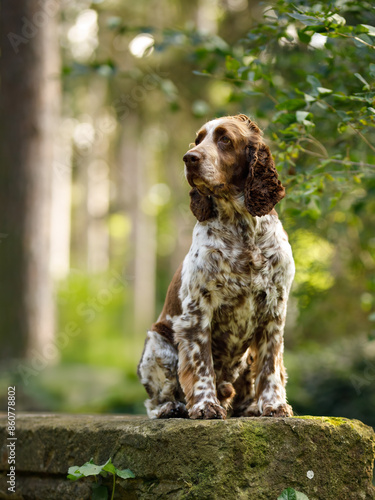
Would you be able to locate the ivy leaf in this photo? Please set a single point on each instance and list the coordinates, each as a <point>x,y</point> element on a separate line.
<point>306,20</point>
<point>309,98</point>
<point>370,30</point>
<point>73,473</point>
<point>292,104</point>
<point>301,116</point>
<point>125,473</point>
<point>303,36</point>
<point>365,39</point>
<point>232,64</point>
<point>323,90</point>
<point>336,20</point>
<point>90,469</point>
<point>109,467</point>
<point>315,84</point>
<point>366,84</point>
<point>291,494</point>
<point>284,118</point>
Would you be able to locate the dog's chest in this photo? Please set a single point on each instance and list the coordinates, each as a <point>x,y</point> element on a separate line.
<point>226,263</point>
<point>238,274</point>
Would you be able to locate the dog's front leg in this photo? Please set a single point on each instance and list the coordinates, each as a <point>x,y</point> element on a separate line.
<point>271,376</point>
<point>195,366</point>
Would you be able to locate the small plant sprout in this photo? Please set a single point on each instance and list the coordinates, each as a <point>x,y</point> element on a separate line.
<point>292,494</point>
<point>99,491</point>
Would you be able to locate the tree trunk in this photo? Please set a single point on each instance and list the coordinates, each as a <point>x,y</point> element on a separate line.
<point>29,71</point>
<point>138,175</point>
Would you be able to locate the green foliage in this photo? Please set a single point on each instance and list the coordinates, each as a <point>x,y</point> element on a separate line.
<point>93,304</point>
<point>99,491</point>
<point>307,68</point>
<point>304,70</point>
<point>291,494</point>
<point>338,378</point>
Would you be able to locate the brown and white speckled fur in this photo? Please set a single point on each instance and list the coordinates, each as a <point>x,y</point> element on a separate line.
<point>218,344</point>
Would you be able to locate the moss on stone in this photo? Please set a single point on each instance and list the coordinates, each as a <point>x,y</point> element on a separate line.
<point>330,420</point>
<point>247,458</point>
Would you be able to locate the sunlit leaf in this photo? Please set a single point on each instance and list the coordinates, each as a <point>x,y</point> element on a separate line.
<point>323,90</point>
<point>306,20</point>
<point>301,116</point>
<point>309,98</point>
<point>291,494</point>
<point>125,473</point>
<point>336,20</point>
<point>109,467</point>
<point>360,77</point>
<point>370,29</point>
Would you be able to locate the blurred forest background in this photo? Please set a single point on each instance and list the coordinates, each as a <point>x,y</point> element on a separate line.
<point>99,102</point>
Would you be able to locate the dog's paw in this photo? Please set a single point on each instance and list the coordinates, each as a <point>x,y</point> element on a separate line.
<point>283,410</point>
<point>250,410</point>
<point>207,411</point>
<point>172,409</point>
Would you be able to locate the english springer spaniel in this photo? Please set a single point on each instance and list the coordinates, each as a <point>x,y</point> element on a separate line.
<point>218,343</point>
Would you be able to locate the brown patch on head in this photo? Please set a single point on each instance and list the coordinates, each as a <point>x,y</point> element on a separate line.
<point>229,157</point>
<point>217,163</point>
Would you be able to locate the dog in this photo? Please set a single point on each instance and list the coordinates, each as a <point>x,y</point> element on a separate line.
<point>217,346</point>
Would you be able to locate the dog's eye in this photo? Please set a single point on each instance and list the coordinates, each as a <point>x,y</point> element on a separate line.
<point>197,141</point>
<point>225,140</point>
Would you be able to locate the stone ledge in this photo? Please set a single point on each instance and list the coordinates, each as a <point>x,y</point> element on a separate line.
<point>246,458</point>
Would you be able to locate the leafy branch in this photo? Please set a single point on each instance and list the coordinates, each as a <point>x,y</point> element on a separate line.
<point>314,108</point>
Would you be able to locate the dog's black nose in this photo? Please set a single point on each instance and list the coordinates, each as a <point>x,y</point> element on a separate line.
<point>191,159</point>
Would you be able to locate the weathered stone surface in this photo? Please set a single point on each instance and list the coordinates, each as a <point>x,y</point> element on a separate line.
<point>247,458</point>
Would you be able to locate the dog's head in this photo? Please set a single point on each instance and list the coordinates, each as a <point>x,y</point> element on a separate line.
<point>230,158</point>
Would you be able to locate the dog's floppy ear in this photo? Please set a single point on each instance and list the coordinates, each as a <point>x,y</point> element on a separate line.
<point>262,188</point>
<point>202,206</point>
